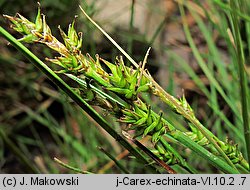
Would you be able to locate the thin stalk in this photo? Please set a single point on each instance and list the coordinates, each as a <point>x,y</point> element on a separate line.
<point>167,98</point>
<point>215,54</point>
<point>110,39</point>
<point>131,26</point>
<point>72,94</point>
<point>118,164</point>
<point>157,31</point>
<point>71,167</point>
<point>242,76</point>
<point>203,65</point>
<point>246,10</point>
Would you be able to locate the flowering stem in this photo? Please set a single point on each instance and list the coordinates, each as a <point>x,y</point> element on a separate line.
<point>71,93</point>
<point>167,98</point>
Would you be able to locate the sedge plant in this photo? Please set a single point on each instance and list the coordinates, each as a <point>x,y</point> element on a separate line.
<point>117,89</point>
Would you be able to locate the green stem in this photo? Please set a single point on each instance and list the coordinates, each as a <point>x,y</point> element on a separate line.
<point>131,27</point>
<point>157,31</point>
<point>242,76</point>
<point>71,167</point>
<point>67,89</point>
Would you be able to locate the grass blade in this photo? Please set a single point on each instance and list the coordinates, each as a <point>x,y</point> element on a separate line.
<point>216,161</point>
<point>210,77</point>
